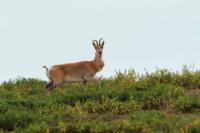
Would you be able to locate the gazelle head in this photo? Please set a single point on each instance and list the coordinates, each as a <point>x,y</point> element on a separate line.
<point>98,45</point>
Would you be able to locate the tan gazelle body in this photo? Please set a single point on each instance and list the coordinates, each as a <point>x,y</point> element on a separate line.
<point>75,72</point>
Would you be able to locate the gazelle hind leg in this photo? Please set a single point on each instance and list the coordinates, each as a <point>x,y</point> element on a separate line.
<point>50,88</point>
<point>53,86</point>
<point>49,84</point>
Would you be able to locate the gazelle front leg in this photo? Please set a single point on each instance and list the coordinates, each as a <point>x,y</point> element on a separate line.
<point>85,83</point>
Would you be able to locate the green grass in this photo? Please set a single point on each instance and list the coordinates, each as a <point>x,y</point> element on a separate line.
<point>161,102</point>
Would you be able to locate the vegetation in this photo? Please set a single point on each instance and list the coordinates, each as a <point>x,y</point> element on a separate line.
<point>162,101</point>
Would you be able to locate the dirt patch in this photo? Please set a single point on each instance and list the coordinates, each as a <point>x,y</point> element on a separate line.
<point>106,117</point>
<point>193,91</point>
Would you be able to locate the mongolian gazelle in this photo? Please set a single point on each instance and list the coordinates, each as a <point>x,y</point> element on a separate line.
<point>76,72</point>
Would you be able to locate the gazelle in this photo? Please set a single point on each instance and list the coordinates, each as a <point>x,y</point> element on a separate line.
<point>76,72</point>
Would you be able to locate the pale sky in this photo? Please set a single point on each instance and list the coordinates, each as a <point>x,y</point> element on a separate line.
<point>138,34</point>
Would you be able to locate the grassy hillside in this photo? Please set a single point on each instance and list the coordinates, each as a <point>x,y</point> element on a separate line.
<point>159,102</point>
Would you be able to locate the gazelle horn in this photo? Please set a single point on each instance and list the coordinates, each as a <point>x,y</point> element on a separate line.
<point>100,40</point>
<point>95,41</point>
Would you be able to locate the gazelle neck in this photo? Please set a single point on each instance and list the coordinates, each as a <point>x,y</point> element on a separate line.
<point>98,62</point>
<point>98,56</point>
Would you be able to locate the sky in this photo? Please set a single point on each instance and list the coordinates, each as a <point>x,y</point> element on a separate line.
<point>139,34</point>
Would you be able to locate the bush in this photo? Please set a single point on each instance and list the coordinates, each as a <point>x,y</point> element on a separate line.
<point>15,118</point>
<point>127,102</point>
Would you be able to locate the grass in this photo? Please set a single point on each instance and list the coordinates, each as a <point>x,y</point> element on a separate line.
<point>161,102</point>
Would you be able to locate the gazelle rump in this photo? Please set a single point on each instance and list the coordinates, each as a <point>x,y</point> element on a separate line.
<point>76,72</point>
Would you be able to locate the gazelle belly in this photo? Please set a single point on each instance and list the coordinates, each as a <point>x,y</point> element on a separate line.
<point>69,79</point>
